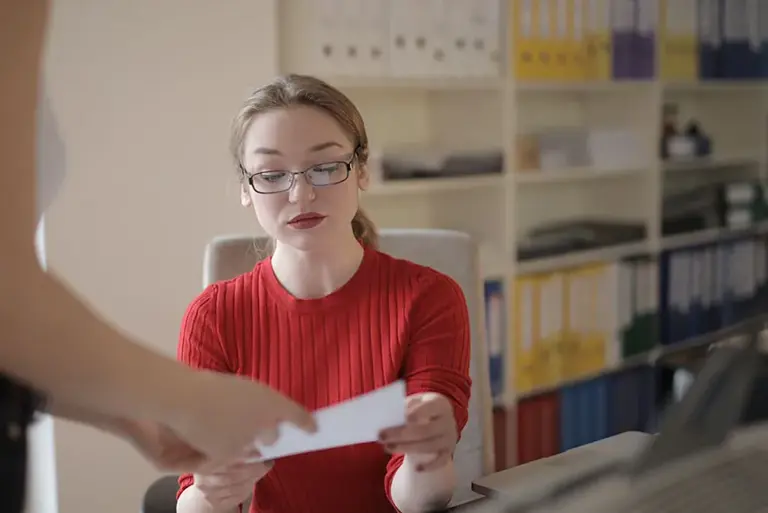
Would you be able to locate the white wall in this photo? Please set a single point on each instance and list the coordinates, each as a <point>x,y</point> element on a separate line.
<point>144,91</point>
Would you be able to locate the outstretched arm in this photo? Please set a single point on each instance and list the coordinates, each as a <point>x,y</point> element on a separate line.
<point>51,340</point>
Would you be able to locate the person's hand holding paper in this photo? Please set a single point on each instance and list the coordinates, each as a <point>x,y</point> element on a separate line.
<point>358,420</point>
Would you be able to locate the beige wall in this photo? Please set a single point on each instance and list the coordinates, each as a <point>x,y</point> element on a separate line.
<point>144,91</point>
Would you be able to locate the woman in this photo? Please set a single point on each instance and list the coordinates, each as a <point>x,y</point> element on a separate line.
<point>55,350</point>
<point>328,317</point>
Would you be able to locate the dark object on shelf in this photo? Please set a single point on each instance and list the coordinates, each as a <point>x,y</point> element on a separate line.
<point>563,237</point>
<point>415,164</point>
<point>692,210</point>
<point>669,128</point>
<point>702,141</point>
<point>736,204</point>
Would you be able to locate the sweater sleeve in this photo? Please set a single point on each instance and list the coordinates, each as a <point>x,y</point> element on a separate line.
<point>439,351</point>
<point>200,346</point>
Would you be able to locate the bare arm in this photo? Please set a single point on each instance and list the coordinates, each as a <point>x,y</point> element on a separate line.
<point>416,492</point>
<point>51,340</point>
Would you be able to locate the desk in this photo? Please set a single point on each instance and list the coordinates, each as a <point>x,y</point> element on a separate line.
<point>539,475</point>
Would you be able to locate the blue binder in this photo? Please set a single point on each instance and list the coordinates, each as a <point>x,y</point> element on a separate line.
<point>709,39</point>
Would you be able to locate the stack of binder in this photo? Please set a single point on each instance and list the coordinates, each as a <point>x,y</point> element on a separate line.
<point>732,39</point>
<point>712,286</point>
<point>400,38</point>
<point>574,323</point>
<point>576,40</point>
<point>585,412</point>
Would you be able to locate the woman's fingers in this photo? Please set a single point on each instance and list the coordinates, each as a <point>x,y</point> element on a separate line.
<point>427,446</point>
<point>410,432</point>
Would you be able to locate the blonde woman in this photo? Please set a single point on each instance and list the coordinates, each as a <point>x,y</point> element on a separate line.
<point>328,317</point>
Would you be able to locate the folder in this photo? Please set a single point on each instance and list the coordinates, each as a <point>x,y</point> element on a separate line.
<point>525,29</point>
<point>551,330</point>
<point>632,401</point>
<point>736,45</point>
<point>525,332</point>
<point>561,45</point>
<point>710,39</point>
<point>577,41</point>
<point>545,41</point>
<point>496,334</point>
<point>679,40</point>
<point>598,47</point>
<point>595,341</point>
<point>763,36</point>
<point>623,28</point>
<point>644,51</point>
<point>549,413</point>
<point>528,431</point>
<point>573,364</point>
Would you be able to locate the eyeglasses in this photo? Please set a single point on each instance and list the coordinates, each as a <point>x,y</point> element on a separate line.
<point>320,175</point>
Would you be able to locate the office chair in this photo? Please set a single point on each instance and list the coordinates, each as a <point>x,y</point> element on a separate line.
<point>450,252</point>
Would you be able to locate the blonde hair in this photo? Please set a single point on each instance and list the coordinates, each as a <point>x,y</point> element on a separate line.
<point>302,90</point>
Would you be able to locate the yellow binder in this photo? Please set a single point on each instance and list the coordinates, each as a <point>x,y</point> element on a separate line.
<point>524,25</point>
<point>560,41</point>
<point>596,338</point>
<point>577,41</point>
<point>597,35</point>
<point>525,332</point>
<point>571,357</point>
<point>551,329</point>
<point>679,39</point>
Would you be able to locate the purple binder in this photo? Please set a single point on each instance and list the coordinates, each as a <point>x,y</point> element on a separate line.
<point>645,39</point>
<point>623,29</point>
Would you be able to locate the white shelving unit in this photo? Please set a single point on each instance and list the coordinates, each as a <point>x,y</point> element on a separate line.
<point>492,109</point>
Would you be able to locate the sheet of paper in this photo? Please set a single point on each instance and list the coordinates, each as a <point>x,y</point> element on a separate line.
<point>358,420</point>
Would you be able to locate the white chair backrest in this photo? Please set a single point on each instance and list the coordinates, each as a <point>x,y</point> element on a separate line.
<point>449,252</point>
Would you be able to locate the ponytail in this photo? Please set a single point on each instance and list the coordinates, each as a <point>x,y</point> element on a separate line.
<point>364,230</point>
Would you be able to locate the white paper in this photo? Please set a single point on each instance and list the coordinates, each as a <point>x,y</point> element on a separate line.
<point>358,420</point>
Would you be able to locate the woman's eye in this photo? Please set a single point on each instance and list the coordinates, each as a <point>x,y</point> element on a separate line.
<point>326,168</point>
<point>272,176</point>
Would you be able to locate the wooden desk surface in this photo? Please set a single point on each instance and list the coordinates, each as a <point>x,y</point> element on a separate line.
<point>541,474</point>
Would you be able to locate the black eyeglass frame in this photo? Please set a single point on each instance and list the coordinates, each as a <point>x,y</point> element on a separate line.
<point>347,164</point>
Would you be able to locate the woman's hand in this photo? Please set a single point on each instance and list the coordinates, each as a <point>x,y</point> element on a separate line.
<point>429,435</point>
<point>225,488</point>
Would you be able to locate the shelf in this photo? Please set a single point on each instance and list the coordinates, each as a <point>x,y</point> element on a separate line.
<point>716,86</point>
<point>582,87</point>
<point>710,235</point>
<point>573,175</point>
<point>419,83</point>
<point>659,355</point>
<point>708,163</point>
<point>577,258</point>
<point>434,185</point>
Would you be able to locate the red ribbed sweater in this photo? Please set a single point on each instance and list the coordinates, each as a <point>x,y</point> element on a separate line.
<point>394,319</point>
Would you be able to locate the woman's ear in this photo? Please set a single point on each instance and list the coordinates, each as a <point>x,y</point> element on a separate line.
<point>363,178</point>
<point>245,197</point>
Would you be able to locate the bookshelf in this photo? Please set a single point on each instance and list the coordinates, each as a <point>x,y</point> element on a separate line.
<point>546,74</point>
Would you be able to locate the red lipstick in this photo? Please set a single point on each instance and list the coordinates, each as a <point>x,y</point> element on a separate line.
<point>306,220</point>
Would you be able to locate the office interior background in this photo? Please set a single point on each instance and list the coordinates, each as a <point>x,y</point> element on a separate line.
<point>607,155</point>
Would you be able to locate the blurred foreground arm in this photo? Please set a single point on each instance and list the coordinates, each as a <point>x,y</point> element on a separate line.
<point>52,341</point>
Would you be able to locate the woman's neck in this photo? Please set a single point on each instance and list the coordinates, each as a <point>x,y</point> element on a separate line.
<point>316,274</point>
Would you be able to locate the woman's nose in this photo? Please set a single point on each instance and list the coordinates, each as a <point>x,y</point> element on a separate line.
<point>301,190</point>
